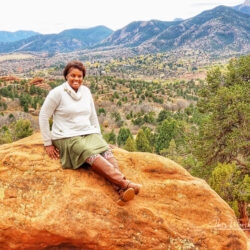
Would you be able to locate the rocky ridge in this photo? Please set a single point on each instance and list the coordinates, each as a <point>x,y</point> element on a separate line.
<point>43,206</point>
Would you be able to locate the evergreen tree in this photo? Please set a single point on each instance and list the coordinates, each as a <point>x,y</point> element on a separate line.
<point>227,181</point>
<point>163,115</point>
<point>130,144</point>
<point>110,137</point>
<point>150,136</point>
<point>222,143</point>
<point>142,143</point>
<point>165,133</point>
<point>123,135</point>
<point>32,89</point>
<point>26,108</point>
<point>225,128</point>
<point>172,150</point>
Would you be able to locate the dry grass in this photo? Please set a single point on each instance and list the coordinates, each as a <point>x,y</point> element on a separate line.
<point>12,57</point>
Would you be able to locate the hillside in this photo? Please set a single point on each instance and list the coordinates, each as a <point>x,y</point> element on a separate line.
<point>6,36</point>
<point>68,40</point>
<point>221,28</point>
<point>135,33</point>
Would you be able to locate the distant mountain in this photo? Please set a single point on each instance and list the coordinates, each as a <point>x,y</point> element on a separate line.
<point>245,7</point>
<point>219,28</point>
<point>178,19</point>
<point>6,36</point>
<point>65,41</point>
<point>136,33</point>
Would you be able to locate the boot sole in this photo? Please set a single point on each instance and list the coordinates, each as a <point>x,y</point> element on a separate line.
<point>121,203</point>
<point>128,195</point>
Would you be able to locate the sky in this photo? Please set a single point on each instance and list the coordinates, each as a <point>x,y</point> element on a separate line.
<point>54,16</point>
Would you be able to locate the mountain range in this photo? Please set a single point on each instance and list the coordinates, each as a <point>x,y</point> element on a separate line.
<point>6,36</point>
<point>65,41</point>
<point>219,28</point>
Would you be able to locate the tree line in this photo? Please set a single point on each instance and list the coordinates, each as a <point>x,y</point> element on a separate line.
<point>211,140</point>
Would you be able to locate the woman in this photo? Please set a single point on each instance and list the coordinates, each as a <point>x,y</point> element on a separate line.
<point>76,134</point>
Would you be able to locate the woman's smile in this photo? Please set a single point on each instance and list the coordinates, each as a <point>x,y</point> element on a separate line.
<point>75,78</point>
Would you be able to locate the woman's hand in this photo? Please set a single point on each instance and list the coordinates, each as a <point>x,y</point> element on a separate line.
<point>52,151</point>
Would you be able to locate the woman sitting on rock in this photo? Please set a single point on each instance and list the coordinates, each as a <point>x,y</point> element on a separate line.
<point>76,134</point>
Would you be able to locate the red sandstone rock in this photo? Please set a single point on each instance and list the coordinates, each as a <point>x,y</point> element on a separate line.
<point>9,78</point>
<point>39,82</point>
<point>42,205</point>
<point>36,81</point>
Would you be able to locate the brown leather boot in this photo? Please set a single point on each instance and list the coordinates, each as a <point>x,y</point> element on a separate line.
<point>115,165</point>
<point>114,175</point>
<point>136,187</point>
<point>125,196</point>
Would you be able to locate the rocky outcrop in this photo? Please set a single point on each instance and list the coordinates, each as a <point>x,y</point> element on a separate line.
<point>36,81</point>
<point>43,206</point>
<point>39,82</point>
<point>9,78</point>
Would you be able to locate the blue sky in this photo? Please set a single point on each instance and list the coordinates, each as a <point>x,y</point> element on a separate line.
<point>53,16</point>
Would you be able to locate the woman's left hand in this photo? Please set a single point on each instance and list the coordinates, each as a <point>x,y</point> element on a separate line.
<point>52,151</point>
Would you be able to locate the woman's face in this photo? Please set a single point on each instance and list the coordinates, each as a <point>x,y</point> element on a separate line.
<point>74,78</point>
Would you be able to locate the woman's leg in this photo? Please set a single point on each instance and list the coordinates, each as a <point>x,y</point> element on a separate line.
<point>108,155</point>
<point>114,175</point>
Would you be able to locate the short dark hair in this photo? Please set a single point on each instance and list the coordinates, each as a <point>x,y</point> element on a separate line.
<point>74,64</point>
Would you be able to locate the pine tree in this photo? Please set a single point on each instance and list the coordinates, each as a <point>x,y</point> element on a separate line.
<point>123,135</point>
<point>224,131</point>
<point>150,136</point>
<point>165,133</point>
<point>142,143</point>
<point>222,143</point>
<point>130,144</point>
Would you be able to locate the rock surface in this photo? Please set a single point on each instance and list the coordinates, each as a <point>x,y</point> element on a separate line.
<point>43,206</point>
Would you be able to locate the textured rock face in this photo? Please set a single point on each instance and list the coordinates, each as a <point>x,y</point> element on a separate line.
<point>43,206</point>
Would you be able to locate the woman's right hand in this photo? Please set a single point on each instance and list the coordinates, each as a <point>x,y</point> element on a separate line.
<point>52,151</point>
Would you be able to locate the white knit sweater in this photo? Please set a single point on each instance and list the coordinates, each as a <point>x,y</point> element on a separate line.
<point>73,113</point>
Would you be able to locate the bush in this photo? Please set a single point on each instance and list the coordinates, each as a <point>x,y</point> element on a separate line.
<point>101,111</point>
<point>110,137</point>
<point>21,129</point>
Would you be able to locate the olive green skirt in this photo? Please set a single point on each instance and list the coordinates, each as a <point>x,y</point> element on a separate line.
<point>75,150</point>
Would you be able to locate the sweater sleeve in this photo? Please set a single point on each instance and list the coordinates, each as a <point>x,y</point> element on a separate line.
<point>93,117</point>
<point>49,106</point>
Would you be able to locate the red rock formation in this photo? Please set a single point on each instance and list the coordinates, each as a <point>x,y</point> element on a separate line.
<point>42,205</point>
<point>36,81</point>
<point>39,82</point>
<point>9,78</point>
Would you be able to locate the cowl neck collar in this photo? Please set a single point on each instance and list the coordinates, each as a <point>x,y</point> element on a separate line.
<point>75,95</point>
